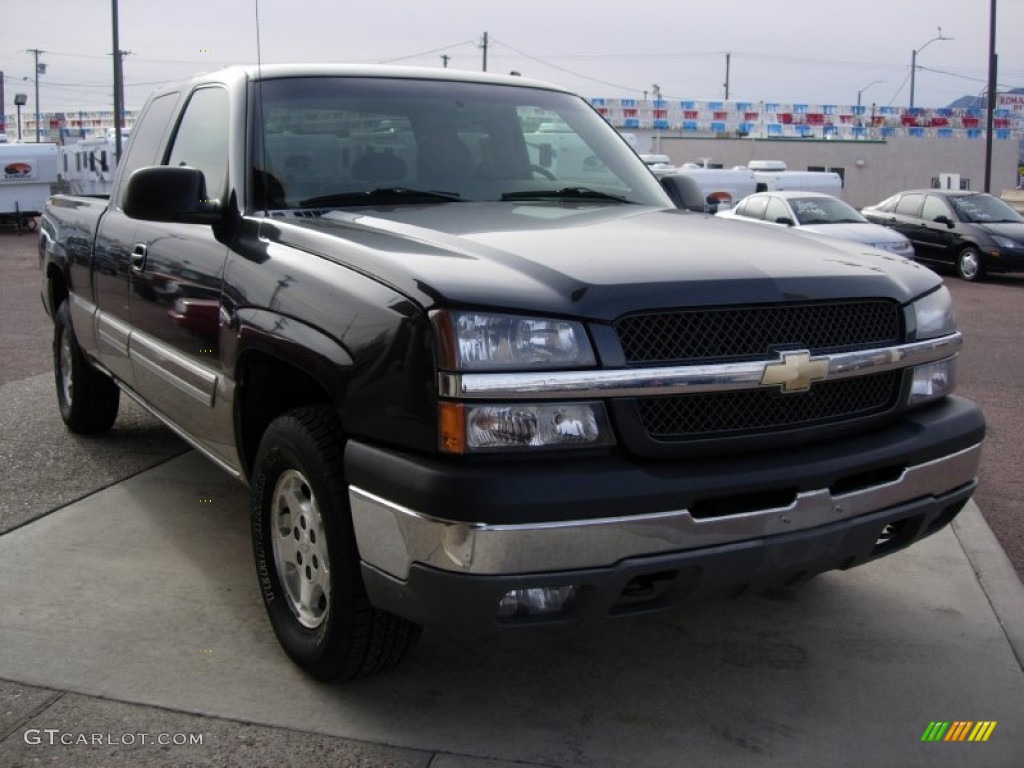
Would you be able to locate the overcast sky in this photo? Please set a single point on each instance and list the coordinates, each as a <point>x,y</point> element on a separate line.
<point>820,52</point>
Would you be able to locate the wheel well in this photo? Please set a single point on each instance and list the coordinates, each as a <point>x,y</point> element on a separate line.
<point>56,287</point>
<point>268,387</point>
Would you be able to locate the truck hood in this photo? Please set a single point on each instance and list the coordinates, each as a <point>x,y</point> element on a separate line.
<point>595,261</point>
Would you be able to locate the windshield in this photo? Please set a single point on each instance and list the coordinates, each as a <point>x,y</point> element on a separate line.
<point>984,209</point>
<point>824,210</point>
<point>345,141</point>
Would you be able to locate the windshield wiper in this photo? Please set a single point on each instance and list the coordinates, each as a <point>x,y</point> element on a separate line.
<point>572,193</point>
<point>383,195</point>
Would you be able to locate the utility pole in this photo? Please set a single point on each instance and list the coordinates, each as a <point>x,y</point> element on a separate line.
<point>444,58</point>
<point>36,51</point>
<point>118,83</point>
<point>484,46</point>
<point>727,57</point>
<point>993,64</point>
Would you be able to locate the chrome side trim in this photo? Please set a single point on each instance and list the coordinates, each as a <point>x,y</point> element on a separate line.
<point>113,333</point>
<point>391,537</point>
<point>681,379</point>
<point>174,368</point>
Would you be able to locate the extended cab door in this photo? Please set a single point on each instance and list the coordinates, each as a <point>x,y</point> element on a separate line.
<point>115,238</point>
<point>178,271</point>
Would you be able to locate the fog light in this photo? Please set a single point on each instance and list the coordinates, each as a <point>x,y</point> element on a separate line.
<point>565,425</point>
<point>933,381</point>
<point>535,602</point>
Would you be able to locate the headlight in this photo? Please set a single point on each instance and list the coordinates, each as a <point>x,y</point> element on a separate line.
<point>893,246</point>
<point>1005,242</point>
<point>475,341</point>
<point>934,315</point>
<point>470,428</point>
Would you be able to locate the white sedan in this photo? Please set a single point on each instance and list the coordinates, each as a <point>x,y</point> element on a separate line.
<point>820,214</point>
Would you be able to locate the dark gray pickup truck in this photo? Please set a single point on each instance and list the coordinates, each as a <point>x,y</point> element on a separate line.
<point>476,367</point>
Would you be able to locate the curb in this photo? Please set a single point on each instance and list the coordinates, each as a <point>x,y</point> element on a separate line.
<point>995,573</point>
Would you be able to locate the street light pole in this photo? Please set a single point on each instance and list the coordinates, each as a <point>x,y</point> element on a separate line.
<point>20,100</point>
<point>873,82</point>
<point>913,62</point>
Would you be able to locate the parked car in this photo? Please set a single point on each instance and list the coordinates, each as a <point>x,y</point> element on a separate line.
<point>818,213</point>
<point>974,231</point>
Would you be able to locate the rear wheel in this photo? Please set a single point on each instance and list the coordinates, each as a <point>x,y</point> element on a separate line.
<point>306,556</point>
<point>968,264</point>
<point>88,399</point>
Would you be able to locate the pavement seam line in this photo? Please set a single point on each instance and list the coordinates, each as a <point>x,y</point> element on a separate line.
<point>33,713</point>
<point>93,492</point>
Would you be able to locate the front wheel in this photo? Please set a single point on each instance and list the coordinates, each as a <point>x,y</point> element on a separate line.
<point>306,556</point>
<point>88,399</point>
<point>968,264</point>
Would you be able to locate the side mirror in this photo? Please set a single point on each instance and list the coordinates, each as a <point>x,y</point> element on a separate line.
<point>171,194</point>
<point>944,220</point>
<point>684,191</point>
<point>785,220</point>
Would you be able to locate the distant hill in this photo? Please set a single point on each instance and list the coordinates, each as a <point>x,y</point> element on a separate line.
<point>977,102</point>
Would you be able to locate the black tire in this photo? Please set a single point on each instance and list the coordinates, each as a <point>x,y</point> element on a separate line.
<point>969,265</point>
<point>302,526</point>
<point>88,398</point>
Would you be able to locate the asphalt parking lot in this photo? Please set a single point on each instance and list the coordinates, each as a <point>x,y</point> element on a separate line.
<point>130,609</point>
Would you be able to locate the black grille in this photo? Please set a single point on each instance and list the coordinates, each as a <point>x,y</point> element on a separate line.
<point>719,414</point>
<point>703,334</point>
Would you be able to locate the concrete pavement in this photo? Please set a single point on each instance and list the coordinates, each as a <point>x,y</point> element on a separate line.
<point>135,610</point>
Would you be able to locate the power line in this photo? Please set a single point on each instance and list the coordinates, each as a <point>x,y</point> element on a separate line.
<point>966,77</point>
<point>426,53</point>
<point>563,69</point>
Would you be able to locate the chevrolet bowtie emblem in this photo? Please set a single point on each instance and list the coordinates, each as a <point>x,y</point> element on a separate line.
<point>795,372</point>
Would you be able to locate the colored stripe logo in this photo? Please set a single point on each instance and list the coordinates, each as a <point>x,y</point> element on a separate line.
<point>958,730</point>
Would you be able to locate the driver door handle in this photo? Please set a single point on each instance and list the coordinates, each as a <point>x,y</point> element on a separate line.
<point>139,257</point>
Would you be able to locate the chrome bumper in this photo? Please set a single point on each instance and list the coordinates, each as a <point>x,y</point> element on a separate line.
<point>391,537</point>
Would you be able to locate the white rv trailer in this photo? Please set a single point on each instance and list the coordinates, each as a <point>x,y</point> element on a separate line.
<point>772,175</point>
<point>27,172</point>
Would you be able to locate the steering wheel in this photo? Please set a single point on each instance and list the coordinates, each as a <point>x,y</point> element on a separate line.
<point>514,173</point>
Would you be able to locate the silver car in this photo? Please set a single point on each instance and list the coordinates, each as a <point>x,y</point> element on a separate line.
<point>820,214</point>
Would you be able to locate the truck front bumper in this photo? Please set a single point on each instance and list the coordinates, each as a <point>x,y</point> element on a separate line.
<point>740,522</point>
